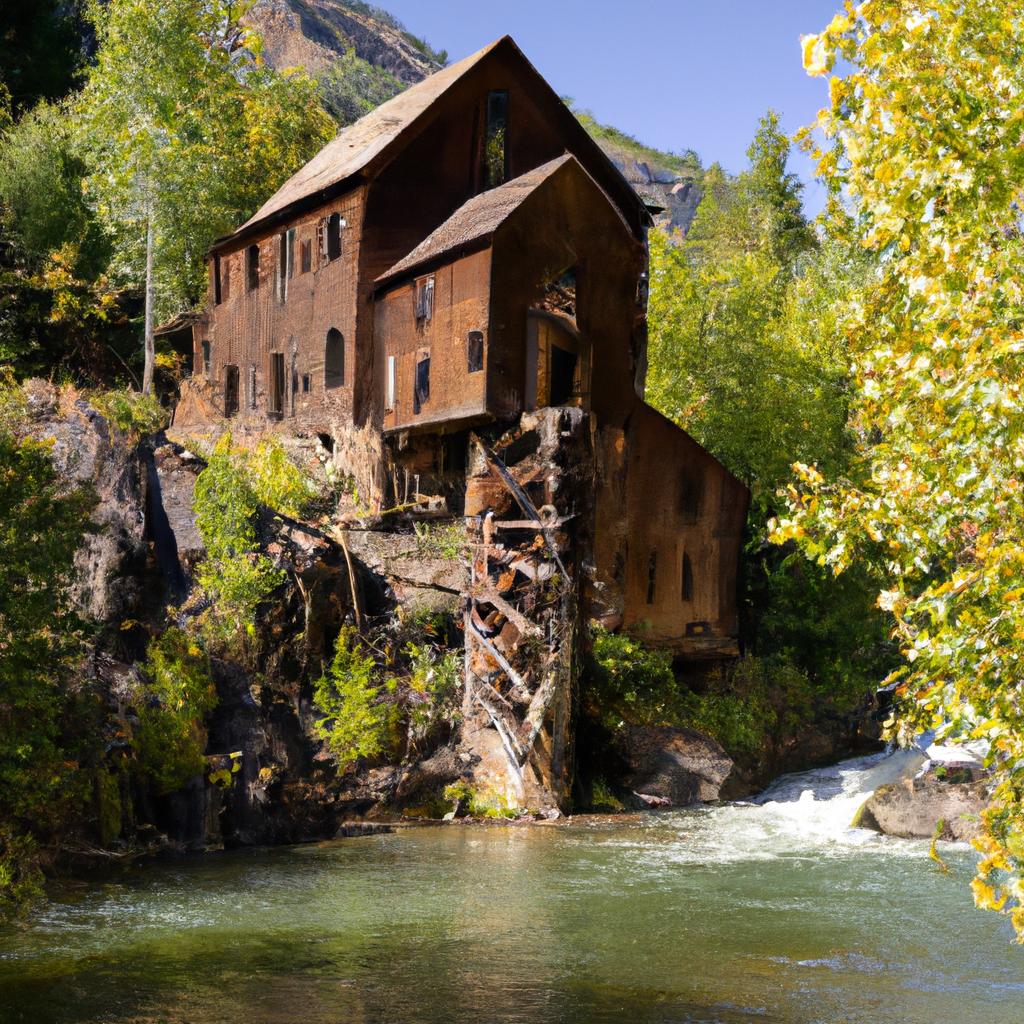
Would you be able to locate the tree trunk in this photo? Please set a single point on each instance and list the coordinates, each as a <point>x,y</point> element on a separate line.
<point>147,373</point>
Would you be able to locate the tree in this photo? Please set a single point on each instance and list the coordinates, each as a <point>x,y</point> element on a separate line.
<point>189,132</point>
<point>924,137</point>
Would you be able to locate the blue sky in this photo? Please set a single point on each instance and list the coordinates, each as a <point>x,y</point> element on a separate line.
<point>678,74</point>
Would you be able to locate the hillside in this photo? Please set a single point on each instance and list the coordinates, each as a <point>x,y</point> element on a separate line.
<point>362,56</point>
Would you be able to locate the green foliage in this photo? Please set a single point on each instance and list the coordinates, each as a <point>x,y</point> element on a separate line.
<point>21,880</point>
<point>42,722</point>
<point>352,87</point>
<point>275,480</point>
<point>358,719</point>
<point>603,798</point>
<point>923,156</point>
<point>685,165</point>
<point>234,575</point>
<point>135,413</point>
<point>629,681</point>
<point>42,208</point>
<point>440,540</point>
<point>188,133</point>
<point>480,801</point>
<point>435,685</point>
<point>172,703</point>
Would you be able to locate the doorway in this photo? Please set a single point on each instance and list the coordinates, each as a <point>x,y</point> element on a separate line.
<point>557,362</point>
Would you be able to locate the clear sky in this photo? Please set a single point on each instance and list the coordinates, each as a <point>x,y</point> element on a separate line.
<point>678,74</point>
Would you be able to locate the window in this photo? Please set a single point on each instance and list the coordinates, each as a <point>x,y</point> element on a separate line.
<point>424,298</point>
<point>252,267</point>
<point>687,588</point>
<point>307,257</point>
<point>285,262</point>
<point>252,386</point>
<point>230,391</point>
<point>421,385</point>
<point>277,384</point>
<point>305,383</point>
<point>495,154</point>
<point>652,576</point>
<point>218,296</point>
<point>205,346</point>
<point>334,360</point>
<point>334,226</point>
<point>389,401</point>
<point>475,351</point>
<point>689,498</point>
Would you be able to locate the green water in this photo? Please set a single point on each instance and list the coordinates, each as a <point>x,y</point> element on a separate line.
<point>735,914</point>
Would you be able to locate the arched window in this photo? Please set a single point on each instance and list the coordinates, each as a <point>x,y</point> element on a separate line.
<point>334,359</point>
<point>334,236</point>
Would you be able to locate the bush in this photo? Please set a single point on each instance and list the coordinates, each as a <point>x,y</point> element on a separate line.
<point>135,413</point>
<point>630,682</point>
<point>21,880</point>
<point>174,700</point>
<point>234,575</point>
<point>358,720</point>
<point>275,480</point>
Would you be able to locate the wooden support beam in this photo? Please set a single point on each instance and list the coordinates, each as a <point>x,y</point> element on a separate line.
<point>516,679</point>
<point>513,614</point>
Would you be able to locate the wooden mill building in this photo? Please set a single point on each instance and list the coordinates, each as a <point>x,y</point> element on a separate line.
<point>460,256</point>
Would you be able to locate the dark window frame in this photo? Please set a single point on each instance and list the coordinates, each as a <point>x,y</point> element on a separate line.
<point>421,382</point>
<point>474,351</point>
<point>252,268</point>
<point>334,228</point>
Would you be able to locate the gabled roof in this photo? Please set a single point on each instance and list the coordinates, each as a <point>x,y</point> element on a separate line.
<point>369,140</point>
<point>354,147</point>
<point>478,218</point>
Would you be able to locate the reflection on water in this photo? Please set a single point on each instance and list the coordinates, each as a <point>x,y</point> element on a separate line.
<point>769,913</point>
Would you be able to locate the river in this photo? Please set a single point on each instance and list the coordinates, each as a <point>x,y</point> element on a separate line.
<point>767,912</point>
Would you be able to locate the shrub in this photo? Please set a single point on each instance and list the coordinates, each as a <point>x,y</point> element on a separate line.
<point>276,481</point>
<point>135,413</point>
<point>174,700</point>
<point>435,683</point>
<point>630,682</point>
<point>234,575</point>
<point>479,801</point>
<point>21,880</point>
<point>358,721</point>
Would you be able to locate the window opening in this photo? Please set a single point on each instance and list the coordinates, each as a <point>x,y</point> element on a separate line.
<point>652,576</point>
<point>277,383</point>
<point>307,257</point>
<point>389,402</point>
<point>230,391</point>
<point>252,267</point>
<point>305,383</point>
<point>475,351</point>
<point>334,226</point>
<point>425,298</point>
<point>218,296</point>
<point>689,498</point>
<point>687,591</point>
<point>334,359</point>
<point>206,357</point>
<point>495,150</point>
<point>421,387</point>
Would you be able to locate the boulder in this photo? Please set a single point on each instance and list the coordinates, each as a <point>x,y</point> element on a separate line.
<point>914,808</point>
<point>673,766</point>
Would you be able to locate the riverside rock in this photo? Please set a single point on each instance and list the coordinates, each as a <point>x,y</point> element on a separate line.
<point>945,804</point>
<point>672,767</point>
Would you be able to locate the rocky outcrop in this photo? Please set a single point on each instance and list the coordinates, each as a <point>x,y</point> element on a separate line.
<point>943,803</point>
<point>315,35</point>
<point>87,449</point>
<point>671,767</point>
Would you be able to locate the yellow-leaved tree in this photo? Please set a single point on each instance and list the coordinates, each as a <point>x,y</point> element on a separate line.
<point>923,151</point>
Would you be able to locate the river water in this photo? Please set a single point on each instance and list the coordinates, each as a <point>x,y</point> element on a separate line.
<point>774,912</point>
